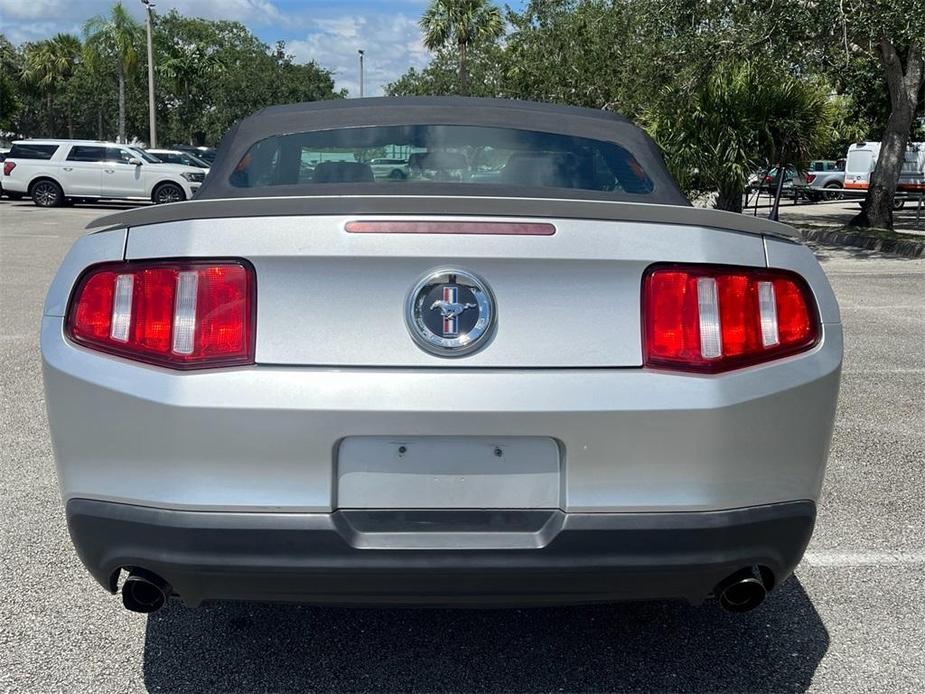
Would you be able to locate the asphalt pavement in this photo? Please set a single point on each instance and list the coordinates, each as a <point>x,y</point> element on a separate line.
<point>837,213</point>
<point>852,619</point>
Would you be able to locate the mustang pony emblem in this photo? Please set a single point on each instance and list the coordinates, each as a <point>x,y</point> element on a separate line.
<point>450,308</point>
<point>450,313</point>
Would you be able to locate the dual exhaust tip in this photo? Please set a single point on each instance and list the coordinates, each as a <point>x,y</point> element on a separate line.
<point>745,590</point>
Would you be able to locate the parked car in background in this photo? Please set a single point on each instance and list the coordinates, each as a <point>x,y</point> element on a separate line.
<point>2,159</point>
<point>565,385</point>
<point>823,179</point>
<point>52,172</point>
<point>769,182</point>
<point>396,169</point>
<point>862,158</point>
<point>177,156</point>
<point>207,154</point>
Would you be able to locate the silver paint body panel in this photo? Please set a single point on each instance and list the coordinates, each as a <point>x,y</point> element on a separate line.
<point>329,298</point>
<point>335,361</point>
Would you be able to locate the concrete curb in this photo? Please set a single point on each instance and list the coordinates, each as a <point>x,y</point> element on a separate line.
<point>905,247</point>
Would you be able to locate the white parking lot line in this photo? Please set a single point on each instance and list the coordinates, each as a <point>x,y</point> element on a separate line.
<point>835,558</point>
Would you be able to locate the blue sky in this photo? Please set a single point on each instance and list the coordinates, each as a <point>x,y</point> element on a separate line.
<point>329,32</point>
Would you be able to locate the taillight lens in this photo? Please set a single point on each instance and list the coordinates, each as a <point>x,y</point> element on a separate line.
<point>715,318</point>
<point>810,178</point>
<point>183,315</point>
<point>8,167</point>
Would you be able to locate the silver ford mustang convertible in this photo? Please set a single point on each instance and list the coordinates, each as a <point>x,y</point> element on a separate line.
<point>517,367</point>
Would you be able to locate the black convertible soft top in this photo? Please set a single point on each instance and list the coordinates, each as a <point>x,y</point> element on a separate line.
<point>385,111</point>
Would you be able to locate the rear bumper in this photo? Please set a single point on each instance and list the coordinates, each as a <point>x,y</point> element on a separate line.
<point>438,557</point>
<point>13,185</point>
<point>267,438</point>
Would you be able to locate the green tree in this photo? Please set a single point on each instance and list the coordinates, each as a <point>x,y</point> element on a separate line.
<point>186,70</point>
<point>742,117</point>
<point>892,32</point>
<point>243,74</point>
<point>459,24</point>
<point>116,40</point>
<point>10,69</point>
<point>441,78</point>
<point>49,65</point>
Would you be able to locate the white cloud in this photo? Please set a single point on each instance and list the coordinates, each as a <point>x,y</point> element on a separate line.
<point>33,9</point>
<point>324,31</point>
<point>18,17</point>
<point>246,11</point>
<point>392,44</point>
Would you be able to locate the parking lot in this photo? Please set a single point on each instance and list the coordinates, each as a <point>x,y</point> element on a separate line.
<point>837,213</point>
<point>851,620</point>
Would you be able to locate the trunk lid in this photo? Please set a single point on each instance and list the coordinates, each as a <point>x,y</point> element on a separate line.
<point>326,297</point>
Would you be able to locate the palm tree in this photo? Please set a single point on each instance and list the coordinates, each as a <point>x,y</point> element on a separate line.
<point>115,39</point>
<point>50,64</point>
<point>185,67</point>
<point>460,23</point>
<point>743,116</point>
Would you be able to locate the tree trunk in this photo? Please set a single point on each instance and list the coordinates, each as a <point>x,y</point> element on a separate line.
<point>189,120</point>
<point>99,124</point>
<point>49,124</point>
<point>904,87</point>
<point>70,123</point>
<point>730,198</point>
<point>774,216</point>
<point>121,104</point>
<point>463,70</point>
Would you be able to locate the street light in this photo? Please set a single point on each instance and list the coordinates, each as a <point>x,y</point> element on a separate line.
<point>362,53</point>
<point>152,125</point>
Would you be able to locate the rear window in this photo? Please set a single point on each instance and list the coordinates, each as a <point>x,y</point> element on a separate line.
<point>860,160</point>
<point>440,154</point>
<point>911,162</point>
<point>29,151</point>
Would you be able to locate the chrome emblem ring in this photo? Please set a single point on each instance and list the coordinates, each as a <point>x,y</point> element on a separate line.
<point>450,313</point>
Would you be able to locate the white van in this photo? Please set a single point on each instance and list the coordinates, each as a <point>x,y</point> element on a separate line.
<point>862,157</point>
<point>54,171</point>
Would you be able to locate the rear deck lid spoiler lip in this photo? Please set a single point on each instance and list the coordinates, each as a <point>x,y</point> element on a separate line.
<point>441,205</point>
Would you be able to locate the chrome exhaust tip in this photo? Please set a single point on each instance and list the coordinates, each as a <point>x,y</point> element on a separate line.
<point>144,592</point>
<point>741,592</point>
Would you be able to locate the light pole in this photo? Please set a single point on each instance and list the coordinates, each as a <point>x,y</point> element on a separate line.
<point>152,124</point>
<point>362,53</point>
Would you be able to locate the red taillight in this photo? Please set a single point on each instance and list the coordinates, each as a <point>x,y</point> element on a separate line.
<point>184,315</point>
<point>810,178</point>
<point>715,318</point>
<point>8,167</point>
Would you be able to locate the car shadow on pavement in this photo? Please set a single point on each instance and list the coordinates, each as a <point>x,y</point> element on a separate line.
<point>636,647</point>
<point>115,206</point>
<point>825,254</point>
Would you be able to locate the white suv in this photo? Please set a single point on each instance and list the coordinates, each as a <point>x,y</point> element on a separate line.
<point>53,171</point>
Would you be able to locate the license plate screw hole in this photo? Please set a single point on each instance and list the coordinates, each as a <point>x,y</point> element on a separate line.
<point>402,450</point>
